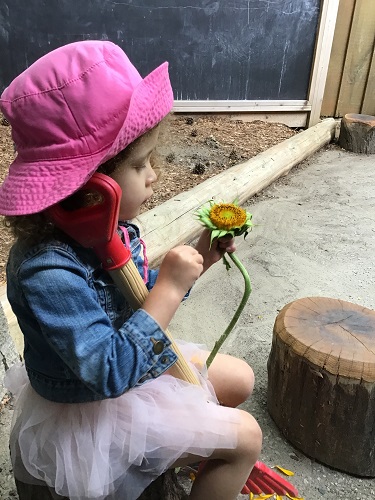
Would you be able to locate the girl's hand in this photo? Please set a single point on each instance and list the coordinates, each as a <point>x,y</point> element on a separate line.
<point>180,268</point>
<point>218,248</point>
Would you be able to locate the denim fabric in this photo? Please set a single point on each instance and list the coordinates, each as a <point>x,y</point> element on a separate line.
<point>83,342</point>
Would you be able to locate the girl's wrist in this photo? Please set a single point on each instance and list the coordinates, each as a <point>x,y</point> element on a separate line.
<point>162,303</point>
<point>169,290</point>
<point>207,263</point>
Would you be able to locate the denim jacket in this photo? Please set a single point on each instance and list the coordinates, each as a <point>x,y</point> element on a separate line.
<point>83,342</point>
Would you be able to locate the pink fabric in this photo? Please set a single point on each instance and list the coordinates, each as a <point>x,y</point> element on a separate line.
<point>70,111</point>
<point>145,259</point>
<point>126,236</point>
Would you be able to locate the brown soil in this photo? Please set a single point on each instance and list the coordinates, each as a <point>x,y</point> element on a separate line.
<point>191,150</point>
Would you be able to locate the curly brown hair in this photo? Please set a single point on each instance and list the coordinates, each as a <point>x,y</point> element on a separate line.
<point>36,228</point>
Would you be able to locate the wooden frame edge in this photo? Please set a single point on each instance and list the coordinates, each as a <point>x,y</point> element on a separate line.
<point>322,55</point>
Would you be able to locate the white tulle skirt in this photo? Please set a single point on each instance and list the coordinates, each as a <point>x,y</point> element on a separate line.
<point>113,449</point>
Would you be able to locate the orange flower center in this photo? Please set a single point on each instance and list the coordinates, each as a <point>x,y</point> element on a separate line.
<point>227,216</point>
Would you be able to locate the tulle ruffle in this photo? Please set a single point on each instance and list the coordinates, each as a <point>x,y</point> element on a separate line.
<point>116,447</point>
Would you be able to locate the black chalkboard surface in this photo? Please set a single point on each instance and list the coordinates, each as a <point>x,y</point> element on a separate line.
<point>217,50</point>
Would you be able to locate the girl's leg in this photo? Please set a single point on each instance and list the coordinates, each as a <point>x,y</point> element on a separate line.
<point>226,471</point>
<point>232,378</point>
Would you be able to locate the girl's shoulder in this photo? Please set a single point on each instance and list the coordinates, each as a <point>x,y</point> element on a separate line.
<point>51,253</point>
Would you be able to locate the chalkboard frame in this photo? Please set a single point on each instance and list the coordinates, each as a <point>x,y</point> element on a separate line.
<point>301,109</point>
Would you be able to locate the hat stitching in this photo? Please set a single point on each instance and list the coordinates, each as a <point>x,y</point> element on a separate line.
<point>74,118</point>
<point>102,123</point>
<point>69,157</point>
<point>79,77</point>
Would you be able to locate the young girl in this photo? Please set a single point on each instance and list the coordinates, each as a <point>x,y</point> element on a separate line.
<point>97,413</point>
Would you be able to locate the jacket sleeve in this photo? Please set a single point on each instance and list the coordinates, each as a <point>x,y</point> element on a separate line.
<point>152,275</point>
<point>74,324</point>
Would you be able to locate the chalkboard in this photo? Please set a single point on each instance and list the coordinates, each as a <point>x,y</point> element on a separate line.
<point>217,50</point>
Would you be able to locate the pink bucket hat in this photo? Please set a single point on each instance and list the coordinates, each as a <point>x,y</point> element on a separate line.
<point>70,111</point>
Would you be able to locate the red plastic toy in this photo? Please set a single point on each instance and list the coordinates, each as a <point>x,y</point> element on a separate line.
<point>264,480</point>
<point>95,226</point>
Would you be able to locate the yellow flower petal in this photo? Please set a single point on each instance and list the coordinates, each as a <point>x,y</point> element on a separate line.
<point>285,471</point>
<point>227,216</point>
<point>294,498</point>
<point>197,361</point>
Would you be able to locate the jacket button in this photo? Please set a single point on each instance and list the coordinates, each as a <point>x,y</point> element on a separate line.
<point>158,347</point>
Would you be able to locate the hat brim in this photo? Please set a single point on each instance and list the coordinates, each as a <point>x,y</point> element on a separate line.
<point>50,181</point>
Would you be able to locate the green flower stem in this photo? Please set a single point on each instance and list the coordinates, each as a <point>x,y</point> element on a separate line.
<point>237,314</point>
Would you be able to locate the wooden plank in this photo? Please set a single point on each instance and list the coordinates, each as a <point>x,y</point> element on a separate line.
<point>231,106</point>
<point>358,59</point>
<point>292,119</point>
<point>337,59</point>
<point>173,222</point>
<point>321,58</point>
<point>368,105</point>
<point>296,119</point>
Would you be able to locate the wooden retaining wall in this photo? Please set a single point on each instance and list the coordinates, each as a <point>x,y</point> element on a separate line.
<point>350,85</point>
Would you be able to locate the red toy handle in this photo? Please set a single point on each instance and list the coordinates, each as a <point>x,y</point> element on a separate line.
<point>94,226</point>
<point>269,481</point>
<point>263,480</point>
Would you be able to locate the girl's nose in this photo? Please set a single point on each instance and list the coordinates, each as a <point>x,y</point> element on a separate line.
<point>152,177</point>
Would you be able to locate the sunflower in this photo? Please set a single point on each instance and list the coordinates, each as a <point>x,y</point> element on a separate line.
<point>224,218</point>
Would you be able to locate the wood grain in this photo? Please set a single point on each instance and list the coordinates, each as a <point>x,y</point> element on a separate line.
<point>321,381</point>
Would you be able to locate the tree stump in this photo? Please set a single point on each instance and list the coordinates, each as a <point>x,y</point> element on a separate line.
<point>321,381</point>
<point>357,133</point>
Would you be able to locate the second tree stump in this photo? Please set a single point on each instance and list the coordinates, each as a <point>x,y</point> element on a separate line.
<point>321,381</point>
<point>357,133</point>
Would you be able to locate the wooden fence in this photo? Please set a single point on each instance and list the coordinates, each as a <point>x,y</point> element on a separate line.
<point>350,84</point>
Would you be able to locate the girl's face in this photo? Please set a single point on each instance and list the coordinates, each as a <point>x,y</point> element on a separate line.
<point>136,176</point>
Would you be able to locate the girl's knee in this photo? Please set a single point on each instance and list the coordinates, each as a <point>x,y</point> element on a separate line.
<point>249,443</point>
<point>242,383</point>
<point>246,380</point>
<point>249,435</point>
<point>232,378</point>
